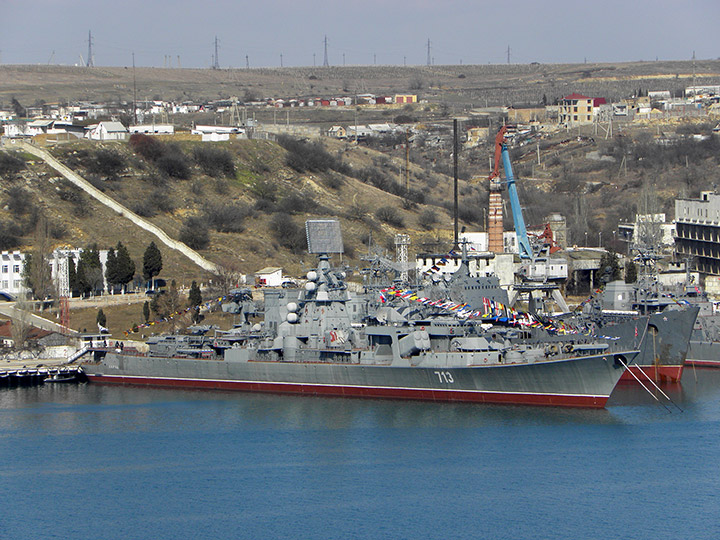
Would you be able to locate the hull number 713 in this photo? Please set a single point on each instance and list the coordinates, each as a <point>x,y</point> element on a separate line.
<point>445,376</point>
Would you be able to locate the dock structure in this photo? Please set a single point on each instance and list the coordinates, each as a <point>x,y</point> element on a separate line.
<point>25,376</point>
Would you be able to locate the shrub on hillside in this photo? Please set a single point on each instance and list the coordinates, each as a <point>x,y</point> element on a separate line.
<point>427,219</point>
<point>168,158</point>
<point>304,156</point>
<point>148,147</point>
<point>106,162</point>
<point>10,164</point>
<point>174,164</point>
<point>162,201</point>
<point>144,208</point>
<point>390,215</point>
<point>18,201</point>
<point>297,203</point>
<point>194,233</point>
<point>215,162</point>
<point>9,235</point>
<point>264,189</point>
<point>227,217</point>
<point>288,233</point>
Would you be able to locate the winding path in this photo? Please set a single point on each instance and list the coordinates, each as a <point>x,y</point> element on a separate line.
<point>98,195</point>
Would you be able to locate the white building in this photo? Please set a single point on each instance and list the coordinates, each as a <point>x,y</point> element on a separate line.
<point>107,131</point>
<point>153,129</point>
<point>270,276</point>
<point>12,264</point>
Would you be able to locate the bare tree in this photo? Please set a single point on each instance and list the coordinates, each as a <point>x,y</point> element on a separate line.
<point>37,271</point>
<point>227,277</point>
<point>20,329</point>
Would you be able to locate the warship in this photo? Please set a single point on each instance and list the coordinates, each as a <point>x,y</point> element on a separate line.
<point>670,327</point>
<point>704,346</point>
<point>317,346</point>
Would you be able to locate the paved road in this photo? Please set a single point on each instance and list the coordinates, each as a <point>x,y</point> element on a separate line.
<point>9,309</point>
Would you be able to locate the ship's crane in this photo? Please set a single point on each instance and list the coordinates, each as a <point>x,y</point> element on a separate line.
<point>501,150</point>
<point>536,273</point>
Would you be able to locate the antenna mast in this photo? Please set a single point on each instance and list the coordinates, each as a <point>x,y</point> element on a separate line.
<point>325,61</point>
<point>90,60</point>
<point>428,55</point>
<point>216,62</point>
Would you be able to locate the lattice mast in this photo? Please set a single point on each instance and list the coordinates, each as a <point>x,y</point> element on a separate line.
<point>402,241</point>
<point>63,277</point>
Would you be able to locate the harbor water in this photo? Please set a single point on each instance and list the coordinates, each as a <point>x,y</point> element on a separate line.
<point>89,461</point>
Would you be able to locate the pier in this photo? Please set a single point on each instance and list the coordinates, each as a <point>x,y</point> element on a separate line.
<point>15,376</point>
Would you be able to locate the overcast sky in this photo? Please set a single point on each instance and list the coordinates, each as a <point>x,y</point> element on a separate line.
<point>365,32</point>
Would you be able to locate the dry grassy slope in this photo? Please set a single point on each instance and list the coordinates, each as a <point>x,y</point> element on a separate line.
<point>97,224</point>
<point>499,84</point>
<point>252,249</point>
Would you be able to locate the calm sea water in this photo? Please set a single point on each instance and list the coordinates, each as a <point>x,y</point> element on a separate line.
<point>103,462</point>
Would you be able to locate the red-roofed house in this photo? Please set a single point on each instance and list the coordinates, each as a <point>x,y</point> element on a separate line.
<point>576,109</point>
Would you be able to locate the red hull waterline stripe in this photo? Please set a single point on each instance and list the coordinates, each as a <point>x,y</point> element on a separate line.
<point>660,374</point>
<point>512,398</point>
<point>703,363</point>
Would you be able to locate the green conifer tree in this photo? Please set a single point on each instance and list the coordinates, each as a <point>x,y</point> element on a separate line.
<point>152,262</point>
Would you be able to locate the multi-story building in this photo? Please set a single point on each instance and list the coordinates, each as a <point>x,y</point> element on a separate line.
<point>11,274</point>
<point>577,109</point>
<point>697,232</point>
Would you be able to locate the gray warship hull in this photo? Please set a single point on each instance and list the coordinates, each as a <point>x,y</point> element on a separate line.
<point>577,382</point>
<point>664,347</point>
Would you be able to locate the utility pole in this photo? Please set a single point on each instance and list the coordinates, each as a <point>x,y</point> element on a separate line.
<point>508,54</point>
<point>428,52</point>
<point>281,62</point>
<point>313,59</point>
<point>455,178</point>
<point>247,62</point>
<point>407,160</point>
<point>90,61</point>
<point>325,60</point>
<point>178,62</point>
<point>343,59</point>
<point>216,61</point>
<point>134,91</point>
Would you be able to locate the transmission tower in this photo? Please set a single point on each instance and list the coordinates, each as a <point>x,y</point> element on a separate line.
<point>325,61</point>
<point>402,241</point>
<point>428,56</point>
<point>216,62</point>
<point>90,60</point>
<point>64,292</point>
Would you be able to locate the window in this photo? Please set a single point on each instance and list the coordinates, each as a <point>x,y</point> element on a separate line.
<point>16,268</point>
<point>16,283</point>
<point>575,109</point>
<point>5,269</point>
<point>5,284</point>
<point>575,117</point>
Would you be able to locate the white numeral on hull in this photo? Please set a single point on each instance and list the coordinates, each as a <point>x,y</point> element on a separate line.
<point>445,376</point>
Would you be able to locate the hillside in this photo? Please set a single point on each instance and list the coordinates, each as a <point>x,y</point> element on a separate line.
<point>254,215</point>
<point>462,86</point>
<point>243,203</point>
